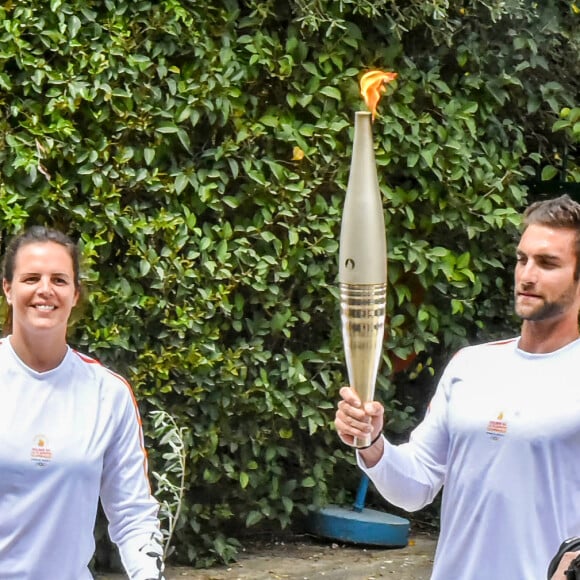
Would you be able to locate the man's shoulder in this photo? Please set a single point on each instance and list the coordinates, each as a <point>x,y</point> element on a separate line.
<point>485,351</point>
<point>505,343</point>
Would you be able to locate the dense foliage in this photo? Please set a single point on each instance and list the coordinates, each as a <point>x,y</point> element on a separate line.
<point>200,150</point>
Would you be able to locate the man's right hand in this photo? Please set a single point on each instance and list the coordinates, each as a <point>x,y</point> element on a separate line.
<point>353,419</point>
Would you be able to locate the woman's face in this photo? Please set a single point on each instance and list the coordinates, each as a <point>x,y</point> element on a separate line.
<point>42,291</point>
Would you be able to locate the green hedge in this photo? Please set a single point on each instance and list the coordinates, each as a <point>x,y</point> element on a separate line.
<point>200,151</point>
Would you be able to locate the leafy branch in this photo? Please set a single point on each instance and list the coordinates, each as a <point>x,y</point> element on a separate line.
<point>170,492</point>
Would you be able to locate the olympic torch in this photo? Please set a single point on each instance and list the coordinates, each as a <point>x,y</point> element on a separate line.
<point>363,254</point>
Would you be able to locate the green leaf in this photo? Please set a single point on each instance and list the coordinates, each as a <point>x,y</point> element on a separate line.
<point>181,182</point>
<point>167,128</point>
<point>149,155</point>
<point>428,153</point>
<point>253,518</point>
<point>331,92</point>
<point>549,172</point>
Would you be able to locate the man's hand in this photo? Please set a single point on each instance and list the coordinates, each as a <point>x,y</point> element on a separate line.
<point>567,559</point>
<point>353,419</point>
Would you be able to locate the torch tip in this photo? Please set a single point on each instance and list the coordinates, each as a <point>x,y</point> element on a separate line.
<point>372,85</point>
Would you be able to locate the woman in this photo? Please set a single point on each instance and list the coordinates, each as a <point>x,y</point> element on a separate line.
<point>70,431</point>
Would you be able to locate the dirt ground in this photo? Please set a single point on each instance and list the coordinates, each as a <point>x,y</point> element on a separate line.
<point>309,558</point>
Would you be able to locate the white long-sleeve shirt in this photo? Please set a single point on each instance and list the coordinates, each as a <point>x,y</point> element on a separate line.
<point>502,436</point>
<point>67,437</point>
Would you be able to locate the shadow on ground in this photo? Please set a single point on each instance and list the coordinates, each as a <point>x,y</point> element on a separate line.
<point>307,558</point>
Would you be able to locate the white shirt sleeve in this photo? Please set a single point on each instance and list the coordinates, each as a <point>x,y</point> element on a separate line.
<point>126,495</point>
<point>412,474</point>
<point>143,557</point>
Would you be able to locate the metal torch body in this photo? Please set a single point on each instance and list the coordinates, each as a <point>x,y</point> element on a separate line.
<point>363,267</point>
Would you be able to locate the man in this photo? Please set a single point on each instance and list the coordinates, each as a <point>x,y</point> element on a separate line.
<point>502,432</point>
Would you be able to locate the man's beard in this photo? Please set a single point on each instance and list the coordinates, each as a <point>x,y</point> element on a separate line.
<point>544,312</point>
<point>548,309</point>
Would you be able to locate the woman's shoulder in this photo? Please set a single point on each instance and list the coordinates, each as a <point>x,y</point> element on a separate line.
<point>4,347</point>
<point>99,371</point>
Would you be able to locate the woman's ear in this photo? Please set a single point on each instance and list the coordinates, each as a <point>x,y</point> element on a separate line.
<point>76,298</point>
<point>7,293</point>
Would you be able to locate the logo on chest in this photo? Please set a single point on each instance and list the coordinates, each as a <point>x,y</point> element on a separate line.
<point>41,453</point>
<point>497,428</point>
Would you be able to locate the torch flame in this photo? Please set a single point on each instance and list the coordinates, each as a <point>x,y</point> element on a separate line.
<point>372,85</point>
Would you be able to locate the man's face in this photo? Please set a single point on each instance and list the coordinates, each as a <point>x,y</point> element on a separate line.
<point>544,276</point>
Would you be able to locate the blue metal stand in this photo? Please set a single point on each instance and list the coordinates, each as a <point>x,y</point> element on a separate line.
<point>360,525</point>
<point>361,494</point>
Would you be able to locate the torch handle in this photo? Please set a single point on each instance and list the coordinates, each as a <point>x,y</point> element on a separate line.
<point>363,308</point>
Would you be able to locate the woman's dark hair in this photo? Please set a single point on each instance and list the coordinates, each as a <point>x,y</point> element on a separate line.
<point>36,235</point>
